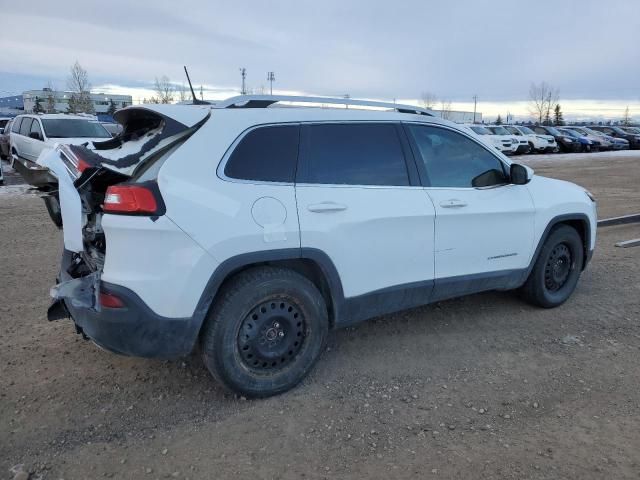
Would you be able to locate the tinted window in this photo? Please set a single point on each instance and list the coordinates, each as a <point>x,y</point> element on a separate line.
<point>35,128</point>
<point>453,160</point>
<point>73,128</point>
<point>267,154</point>
<point>15,128</point>
<point>354,154</point>
<point>25,127</point>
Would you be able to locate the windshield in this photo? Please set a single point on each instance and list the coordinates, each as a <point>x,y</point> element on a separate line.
<point>569,133</point>
<point>632,129</point>
<point>481,130</point>
<point>580,130</point>
<point>499,130</point>
<point>553,131</point>
<point>527,131</point>
<point>73,128</point>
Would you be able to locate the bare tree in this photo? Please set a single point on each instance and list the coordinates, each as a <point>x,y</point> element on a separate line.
<point>445,109</point>
<point>429,100</point>
<point>626,118</point>
<point>78,80</point>
<point>78,84</point>
<point>165,90</point>
<point>543,99</point>
<point>182,93</point>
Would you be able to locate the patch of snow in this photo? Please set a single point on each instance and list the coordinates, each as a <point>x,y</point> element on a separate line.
<point>14,190</point>
<point>562,157</point>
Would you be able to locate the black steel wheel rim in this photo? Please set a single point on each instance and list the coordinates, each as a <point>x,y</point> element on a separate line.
<point>558,267</point>
<point>272,335</point>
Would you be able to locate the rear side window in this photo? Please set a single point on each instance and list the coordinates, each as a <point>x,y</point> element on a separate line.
<point>353,154</point>
<point>267,154</point>
<point>15,128</point>
<point>25,127</point>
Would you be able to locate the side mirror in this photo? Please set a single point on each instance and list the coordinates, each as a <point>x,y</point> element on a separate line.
<point>35,136</point>
<point>519,175</point>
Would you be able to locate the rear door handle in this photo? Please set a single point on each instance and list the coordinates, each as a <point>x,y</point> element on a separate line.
<point>453,203</point>
<point>326,207</point>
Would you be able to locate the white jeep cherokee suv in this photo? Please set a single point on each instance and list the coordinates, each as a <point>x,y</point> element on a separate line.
<point>253,231</point>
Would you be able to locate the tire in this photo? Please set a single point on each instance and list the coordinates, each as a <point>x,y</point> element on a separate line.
<point>265,332</point>
<point>557,269</point>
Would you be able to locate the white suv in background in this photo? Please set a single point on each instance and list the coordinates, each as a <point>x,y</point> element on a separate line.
<point>537,143</point>
<point>252,231</point>
<point>33,134</point>
<point>503,144</point>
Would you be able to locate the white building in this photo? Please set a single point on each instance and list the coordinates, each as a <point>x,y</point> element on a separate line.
<point>100,101</point>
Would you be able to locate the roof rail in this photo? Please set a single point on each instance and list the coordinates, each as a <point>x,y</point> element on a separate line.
<point>264,101</point>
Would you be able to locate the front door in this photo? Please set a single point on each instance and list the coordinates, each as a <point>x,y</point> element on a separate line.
<point>484,225</point>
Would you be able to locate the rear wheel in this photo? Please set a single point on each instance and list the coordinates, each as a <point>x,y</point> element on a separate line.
<point>265,332</point>
<point>557,269</point>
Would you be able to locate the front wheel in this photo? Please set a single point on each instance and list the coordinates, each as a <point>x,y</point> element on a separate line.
<point>557,269</point>
<point>265,332</point>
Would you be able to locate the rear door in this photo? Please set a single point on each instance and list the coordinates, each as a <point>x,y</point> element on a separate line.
<point>360,203</point>
<point>483,225</point>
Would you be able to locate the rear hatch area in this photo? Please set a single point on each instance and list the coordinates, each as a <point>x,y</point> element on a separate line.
<point>116,176</point>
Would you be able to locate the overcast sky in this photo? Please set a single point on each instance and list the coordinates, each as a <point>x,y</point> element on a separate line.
<point>588,49</point>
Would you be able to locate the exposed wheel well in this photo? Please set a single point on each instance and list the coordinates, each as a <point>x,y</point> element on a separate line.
<point>582,227</point>
<point>304,266</point>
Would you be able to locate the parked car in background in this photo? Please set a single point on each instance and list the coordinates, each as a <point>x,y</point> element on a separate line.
<point>566,143</point>
<point>236,237</point>
<point>33,134</point>
<point>618,132</point>
<point>3,123</point>
<point>599,142</point>
<point>616,143</point>
<point>586,145</point>
<point>4,140</point>
<point>519,144</point>
<point>504,145</point>
<point>537,142</point>
<point>633,130</point>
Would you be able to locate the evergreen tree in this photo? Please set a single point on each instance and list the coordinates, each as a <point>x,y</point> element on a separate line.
<point>112,108</point>
<point>37,106</point>
<point>499,120</point>
<point>73,104</point>
<point>557,116</point>
<point>51,104</point>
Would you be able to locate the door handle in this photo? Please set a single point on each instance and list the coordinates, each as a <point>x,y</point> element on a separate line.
<point>326,207</point>
<point>453,203</point>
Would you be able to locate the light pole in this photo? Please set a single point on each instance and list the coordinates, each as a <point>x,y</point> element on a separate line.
<point>271,78</point>
<point>475,102</point>
<point>243,73</point>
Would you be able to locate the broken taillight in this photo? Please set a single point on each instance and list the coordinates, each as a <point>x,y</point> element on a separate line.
<point>109,300</point>
<point>82,165</point>
<point>133,199</point>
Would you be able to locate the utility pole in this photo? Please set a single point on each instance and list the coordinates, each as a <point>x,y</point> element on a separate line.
<point>243,73</point>
<point>347,96</point>
<point>271,78</point>
<point>475,102</point>
<point>201,93</point>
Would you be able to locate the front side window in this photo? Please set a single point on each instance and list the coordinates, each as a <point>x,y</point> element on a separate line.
<point>73,128</point>
<point>35,128</point>
<point>267,154</point>
<point>353,154</point>
<point>25,127</point>
<point>454,160</point>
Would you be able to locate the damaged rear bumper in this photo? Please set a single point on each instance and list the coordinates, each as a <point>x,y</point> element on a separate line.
<point>133,329</point>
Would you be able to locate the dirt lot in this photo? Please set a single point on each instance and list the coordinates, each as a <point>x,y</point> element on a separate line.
<point>480,387</point>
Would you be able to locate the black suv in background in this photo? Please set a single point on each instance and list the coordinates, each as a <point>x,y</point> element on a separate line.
<point>564,141</point>
<point>618,132</point>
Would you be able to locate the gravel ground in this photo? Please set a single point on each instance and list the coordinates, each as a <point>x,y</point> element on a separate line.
<point>479,387</point>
